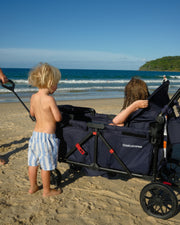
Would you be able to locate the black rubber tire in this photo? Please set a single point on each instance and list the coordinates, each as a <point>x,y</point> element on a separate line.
<point>159,200</point>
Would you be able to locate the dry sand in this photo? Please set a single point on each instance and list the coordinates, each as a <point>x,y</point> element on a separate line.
<point>84,201</point>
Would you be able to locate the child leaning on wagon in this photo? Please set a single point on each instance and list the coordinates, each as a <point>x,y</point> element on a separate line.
<point>43,144</point>
<point>135,97</point>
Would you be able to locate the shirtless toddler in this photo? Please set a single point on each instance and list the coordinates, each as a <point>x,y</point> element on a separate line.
<point>43,144</point>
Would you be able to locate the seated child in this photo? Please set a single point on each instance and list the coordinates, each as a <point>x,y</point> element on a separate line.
<point>136,94</point>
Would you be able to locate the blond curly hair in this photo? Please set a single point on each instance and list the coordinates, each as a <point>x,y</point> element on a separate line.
<point>44,76</point>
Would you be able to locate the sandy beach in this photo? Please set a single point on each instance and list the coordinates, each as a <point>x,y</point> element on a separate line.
<point>84,201</point>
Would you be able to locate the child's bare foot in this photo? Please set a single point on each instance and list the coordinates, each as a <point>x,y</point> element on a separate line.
<point>34,189</point>
<point>2,162</point>
<point>52,192</point>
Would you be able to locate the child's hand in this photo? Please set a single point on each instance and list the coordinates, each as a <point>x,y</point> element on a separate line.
<point>140,104</point>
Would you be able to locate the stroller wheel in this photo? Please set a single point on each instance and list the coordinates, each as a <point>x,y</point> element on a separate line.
<point>55,177</point>
<point>159,200</point>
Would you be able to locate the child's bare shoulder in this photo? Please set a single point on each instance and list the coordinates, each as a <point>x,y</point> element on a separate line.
<point>33,97</point>
<point>49,100</point>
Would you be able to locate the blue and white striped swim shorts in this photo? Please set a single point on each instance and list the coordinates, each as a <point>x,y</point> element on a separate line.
<point>43,150</point>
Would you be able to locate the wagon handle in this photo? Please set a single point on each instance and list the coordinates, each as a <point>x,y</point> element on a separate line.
<point>11,87</point>
<point>174,98</point>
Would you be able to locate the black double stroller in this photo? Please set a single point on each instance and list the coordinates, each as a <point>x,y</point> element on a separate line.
<point>147,147</point>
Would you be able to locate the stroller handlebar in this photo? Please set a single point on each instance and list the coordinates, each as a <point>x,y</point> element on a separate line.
<point>10,86</point>
<point>174,98</point>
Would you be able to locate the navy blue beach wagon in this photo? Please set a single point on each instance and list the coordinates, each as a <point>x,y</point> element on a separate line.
<point>147,147</point>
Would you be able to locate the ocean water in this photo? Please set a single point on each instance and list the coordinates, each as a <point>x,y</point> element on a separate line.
<point>87,84</point>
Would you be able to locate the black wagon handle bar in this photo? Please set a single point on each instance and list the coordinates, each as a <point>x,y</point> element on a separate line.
<point>174,98</point>
<point>10,85</point>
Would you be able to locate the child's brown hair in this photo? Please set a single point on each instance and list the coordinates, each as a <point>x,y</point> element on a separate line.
<point>135,89</point>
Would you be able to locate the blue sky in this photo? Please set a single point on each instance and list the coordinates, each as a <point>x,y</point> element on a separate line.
<point>88,34</point>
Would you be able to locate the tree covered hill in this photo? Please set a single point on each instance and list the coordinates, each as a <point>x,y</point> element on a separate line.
<point>168,63</point>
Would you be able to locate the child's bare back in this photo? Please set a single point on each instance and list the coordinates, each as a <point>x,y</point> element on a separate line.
<point>45,110</point>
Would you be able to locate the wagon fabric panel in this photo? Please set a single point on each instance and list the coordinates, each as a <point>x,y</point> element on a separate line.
<point>131,146</point>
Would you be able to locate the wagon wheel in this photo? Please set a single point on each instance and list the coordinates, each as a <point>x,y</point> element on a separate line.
<point>159,200</point>
<point>55,177</point>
